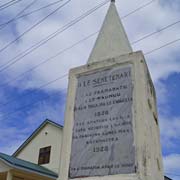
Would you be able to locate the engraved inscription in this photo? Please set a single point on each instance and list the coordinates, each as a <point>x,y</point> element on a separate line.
<point>103,141</point>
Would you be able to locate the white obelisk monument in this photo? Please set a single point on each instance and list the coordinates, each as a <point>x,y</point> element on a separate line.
<point>111,129</point>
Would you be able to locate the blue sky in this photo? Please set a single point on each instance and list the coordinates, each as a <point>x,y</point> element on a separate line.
<point>30,99</point>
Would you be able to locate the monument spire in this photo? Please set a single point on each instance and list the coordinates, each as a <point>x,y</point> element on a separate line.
<point>112,40</point>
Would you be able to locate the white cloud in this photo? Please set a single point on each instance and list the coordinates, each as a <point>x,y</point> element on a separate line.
<point>171,165</point>
<point>137,25</point>
<point>12,136</point>
<point>170,132</point>
<point>161,94</point>
<point>45,111</point>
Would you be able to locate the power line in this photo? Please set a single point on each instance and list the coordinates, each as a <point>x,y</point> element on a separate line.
<point>155,32</point>
<point>59,54</point>
<point>65,75</point>
<point>84,38</point>
<point>31,12</point>
<point>50,58</point>
<point>139,8</point>
<point>39,88</point>
<point>34,48</point>
<point>163,46</point>
<point>32,27</point>
<point>144,37</point>
<point>28,105</point>
<point>43,41</point>
<point>47,60</point>
<point>50,36</point>
<point>75,45</point>
<point>11,20</point>
<point>42,86</point>
<point>8,4</point>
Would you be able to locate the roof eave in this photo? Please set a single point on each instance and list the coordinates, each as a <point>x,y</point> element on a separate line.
<point>27,170</point>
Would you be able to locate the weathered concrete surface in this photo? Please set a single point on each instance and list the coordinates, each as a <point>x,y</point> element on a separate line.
<point>148,157</point>
<point>103,140</point>
<point>112,40</point>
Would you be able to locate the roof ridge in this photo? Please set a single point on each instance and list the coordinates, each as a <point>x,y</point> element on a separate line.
<point>50,121</point>
<point>35,132</point>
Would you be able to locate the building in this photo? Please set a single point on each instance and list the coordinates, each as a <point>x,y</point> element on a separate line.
<point>38,158</point>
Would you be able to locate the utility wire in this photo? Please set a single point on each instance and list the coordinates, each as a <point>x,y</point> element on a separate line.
<point>165,45</point>
<point>22,11</point>
<point>64,51</point>
<point>34,25</point>
<point>155,32</point>
<point>28,105</point>
<point>45,85</point>
<point>50,36</point>
<point>139,8</point>
<point>65,75</point>
<point>31,12</point>
<point>82,40</point>
<point>49,59</point>
<point>34,48</point>
<point>89,36</point>
<point>8,4</point>
<point>43,41</point>
<point>86,14</point>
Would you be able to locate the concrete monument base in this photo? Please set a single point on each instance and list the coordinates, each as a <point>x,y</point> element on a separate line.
<point>111,126</point>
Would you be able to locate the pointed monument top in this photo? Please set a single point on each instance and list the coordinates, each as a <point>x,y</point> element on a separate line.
<point>112,40</point>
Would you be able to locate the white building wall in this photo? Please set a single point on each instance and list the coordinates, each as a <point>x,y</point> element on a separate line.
<point>49,135</point>
<point>3,167</point>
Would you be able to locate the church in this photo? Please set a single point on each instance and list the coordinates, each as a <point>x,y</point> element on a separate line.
<point>42,155</point>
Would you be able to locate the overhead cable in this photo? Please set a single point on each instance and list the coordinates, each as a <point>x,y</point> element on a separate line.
<point>33,26</point>
<point>139,8</point>
<point>49,37</point>
<point>43,41</point>
<point>49,59</point>
<point>65,75</point>
<point>82,40</point>
<point>31,12</point>
<point>8,4</point>
<point>22,11</point>
<point>155,32</point>
<point>163,46</point>
<point>37,45</point>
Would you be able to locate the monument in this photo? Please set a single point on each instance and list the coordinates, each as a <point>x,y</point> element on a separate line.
<point>111,126</point>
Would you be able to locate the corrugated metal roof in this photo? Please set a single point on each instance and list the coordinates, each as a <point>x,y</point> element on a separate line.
<point>21,164</point>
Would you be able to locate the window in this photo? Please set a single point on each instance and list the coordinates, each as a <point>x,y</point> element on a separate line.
<point>44,155</point>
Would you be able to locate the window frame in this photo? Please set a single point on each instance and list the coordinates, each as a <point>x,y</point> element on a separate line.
<point>44,155</point>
